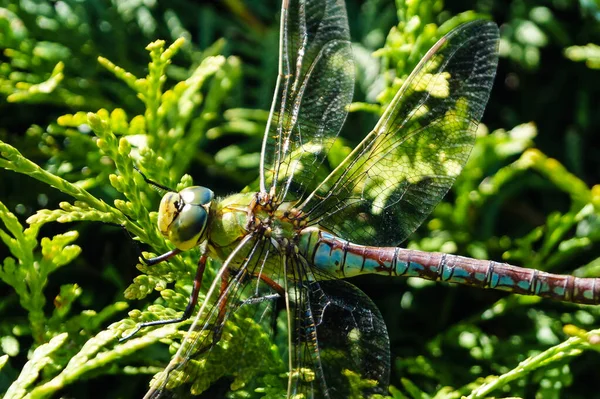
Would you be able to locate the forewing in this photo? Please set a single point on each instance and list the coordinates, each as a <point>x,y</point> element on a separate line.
<point>314,88</point>
<point>341,346</point>
<point>395,177</point>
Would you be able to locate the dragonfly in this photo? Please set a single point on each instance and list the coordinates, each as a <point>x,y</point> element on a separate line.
<point>296,238</point>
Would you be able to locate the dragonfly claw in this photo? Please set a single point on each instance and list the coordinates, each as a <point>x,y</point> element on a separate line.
<point>135,331</point>
<point>159,258</point>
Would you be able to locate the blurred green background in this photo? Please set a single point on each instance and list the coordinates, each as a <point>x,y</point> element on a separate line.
<point>526,197</point>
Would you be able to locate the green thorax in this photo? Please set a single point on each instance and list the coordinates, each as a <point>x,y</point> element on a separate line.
<point>228,223</point>
<point>237,215</point>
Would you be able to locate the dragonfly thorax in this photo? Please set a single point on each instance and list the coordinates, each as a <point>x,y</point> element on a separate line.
<point>279,221</point>
<point>239,215</point>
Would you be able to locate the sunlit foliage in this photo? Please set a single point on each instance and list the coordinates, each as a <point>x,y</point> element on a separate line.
<point>84,99</point>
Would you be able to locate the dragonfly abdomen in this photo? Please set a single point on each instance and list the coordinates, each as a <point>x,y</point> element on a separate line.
<point>345,259</point>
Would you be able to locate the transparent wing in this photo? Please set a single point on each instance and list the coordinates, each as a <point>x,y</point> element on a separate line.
<point>192,370</point>
<point>314,88</point>
<point>340,346</point>
<point>395,177</point>
<point>339,342</point>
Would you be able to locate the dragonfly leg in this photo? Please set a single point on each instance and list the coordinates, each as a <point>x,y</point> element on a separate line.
<point>222,301</point>
<point>151,261</point>
<point>193,300</point>
<point>271,283</point>
<point>152,182</point>
<point>260,299</point>
<point>222,307</point>
<point>162,258</point>
<point>217,327</point>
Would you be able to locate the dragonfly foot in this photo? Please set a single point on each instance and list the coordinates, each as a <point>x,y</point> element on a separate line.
<point>147,261</point>
<point>185,316</point>
<point>260,299</point>
<point>135,331</point>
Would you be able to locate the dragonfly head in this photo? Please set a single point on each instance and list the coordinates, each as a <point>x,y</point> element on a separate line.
<point>183,216</point>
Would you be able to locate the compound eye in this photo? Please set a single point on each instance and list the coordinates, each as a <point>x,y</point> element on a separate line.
<point>197,195</point>
<point>167,212</point>
<point>188,226</point>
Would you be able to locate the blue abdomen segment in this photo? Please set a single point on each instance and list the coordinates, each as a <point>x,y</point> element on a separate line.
<point>345,259</point>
